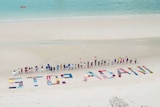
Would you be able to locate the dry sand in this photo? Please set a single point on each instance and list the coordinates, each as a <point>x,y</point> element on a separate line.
<point>62,41</point>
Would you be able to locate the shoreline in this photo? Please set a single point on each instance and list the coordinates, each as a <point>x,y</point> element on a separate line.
<point>19,20</point>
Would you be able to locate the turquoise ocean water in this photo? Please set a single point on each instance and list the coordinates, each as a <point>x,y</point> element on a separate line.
<point>11,9</point>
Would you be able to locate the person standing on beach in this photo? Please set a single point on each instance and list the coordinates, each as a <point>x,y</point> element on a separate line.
<point>91,64</point>
<point>57,67</point>
<point>127,59</point>
<point>54,68</point>
<point>123,60</point>
<point>84,65</point>
<point>120,60</point>
<point>115,60</point>
<point>108,61</point>
<point>60,66</point>
<point>78,66</point>
<point>36,68</point>
<point>98,63</point>
<point>64,66</point>
<point>14,73</point>
<point>135,61</point>
<point>130,61</point>
<point>105,62</point>
<point>95,61</point>
<point>21,70</point>
<point>51,69</point>
<point>102,62</point>
<point>87,64</point>
<point>26,69</point>
<point>75,66</point>
<point>81,64</point>
<point>42,68</point>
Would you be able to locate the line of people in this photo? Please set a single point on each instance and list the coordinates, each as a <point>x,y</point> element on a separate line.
<point>73,66</point>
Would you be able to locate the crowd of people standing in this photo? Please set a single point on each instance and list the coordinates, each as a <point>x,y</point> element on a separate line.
<point>74,66</point>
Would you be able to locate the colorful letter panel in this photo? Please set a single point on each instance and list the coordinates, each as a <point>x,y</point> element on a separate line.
<point>65,76</point>
<point>110,76</point>
<point>52,80</point>
<point>15,83</point>
<point>35,81</point>
<point>141,70</point>
<point>90,74</point>
<point>132,70</point>
<point>122,71</point>
<point>147,69</point>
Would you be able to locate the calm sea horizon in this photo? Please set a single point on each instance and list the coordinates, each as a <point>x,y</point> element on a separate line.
<point>48,9</point>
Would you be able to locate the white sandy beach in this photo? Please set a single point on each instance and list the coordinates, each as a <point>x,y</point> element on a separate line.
<point>62,41</point>
<point>109,27</point>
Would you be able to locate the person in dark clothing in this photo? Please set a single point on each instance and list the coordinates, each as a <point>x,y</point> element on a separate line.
<point>104,62</point>
<point>135,61</point>
<point>88,64</point>
<point>127,60</point>
<point>98,63</point>
<point>115,60</point>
